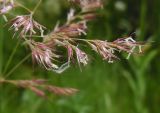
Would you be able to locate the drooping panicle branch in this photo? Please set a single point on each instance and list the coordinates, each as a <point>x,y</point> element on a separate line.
<point>40,86</point>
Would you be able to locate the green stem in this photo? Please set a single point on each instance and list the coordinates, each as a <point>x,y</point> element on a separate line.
<point>22,6</point>
<point>19,64</point>
<point>1,62</point>
<point>11,57</point>
<point>36,7</point>
<point>143,19</point>
<point>1,45</point>
<point>36,36</point>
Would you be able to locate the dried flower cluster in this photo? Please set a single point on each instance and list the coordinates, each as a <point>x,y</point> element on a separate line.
<point>46,54</point>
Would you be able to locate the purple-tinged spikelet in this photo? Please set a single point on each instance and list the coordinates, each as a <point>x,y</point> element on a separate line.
<point>27,25</point>
<point>44,55</point>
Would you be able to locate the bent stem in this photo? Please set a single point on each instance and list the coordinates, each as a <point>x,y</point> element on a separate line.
<point>11,57</point>
<point>19,64</point>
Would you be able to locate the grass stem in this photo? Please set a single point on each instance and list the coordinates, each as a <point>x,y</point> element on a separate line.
<point>11,57</point>
<point>19,64</point>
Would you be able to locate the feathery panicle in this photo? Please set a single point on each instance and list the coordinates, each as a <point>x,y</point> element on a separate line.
<point>66,36</point>
<point>27,25</point>
<point>128,45</point>
<point>72,30</point>
<point>46,57</point>
<point>43,55</point>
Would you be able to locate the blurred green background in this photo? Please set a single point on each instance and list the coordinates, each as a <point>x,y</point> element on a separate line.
<point>126,86</point>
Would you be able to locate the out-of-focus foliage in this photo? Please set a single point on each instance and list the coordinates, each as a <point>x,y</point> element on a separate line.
<point>127,86</point>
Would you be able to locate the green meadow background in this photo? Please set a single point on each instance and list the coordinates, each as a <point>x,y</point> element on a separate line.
<point>126,86</point>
